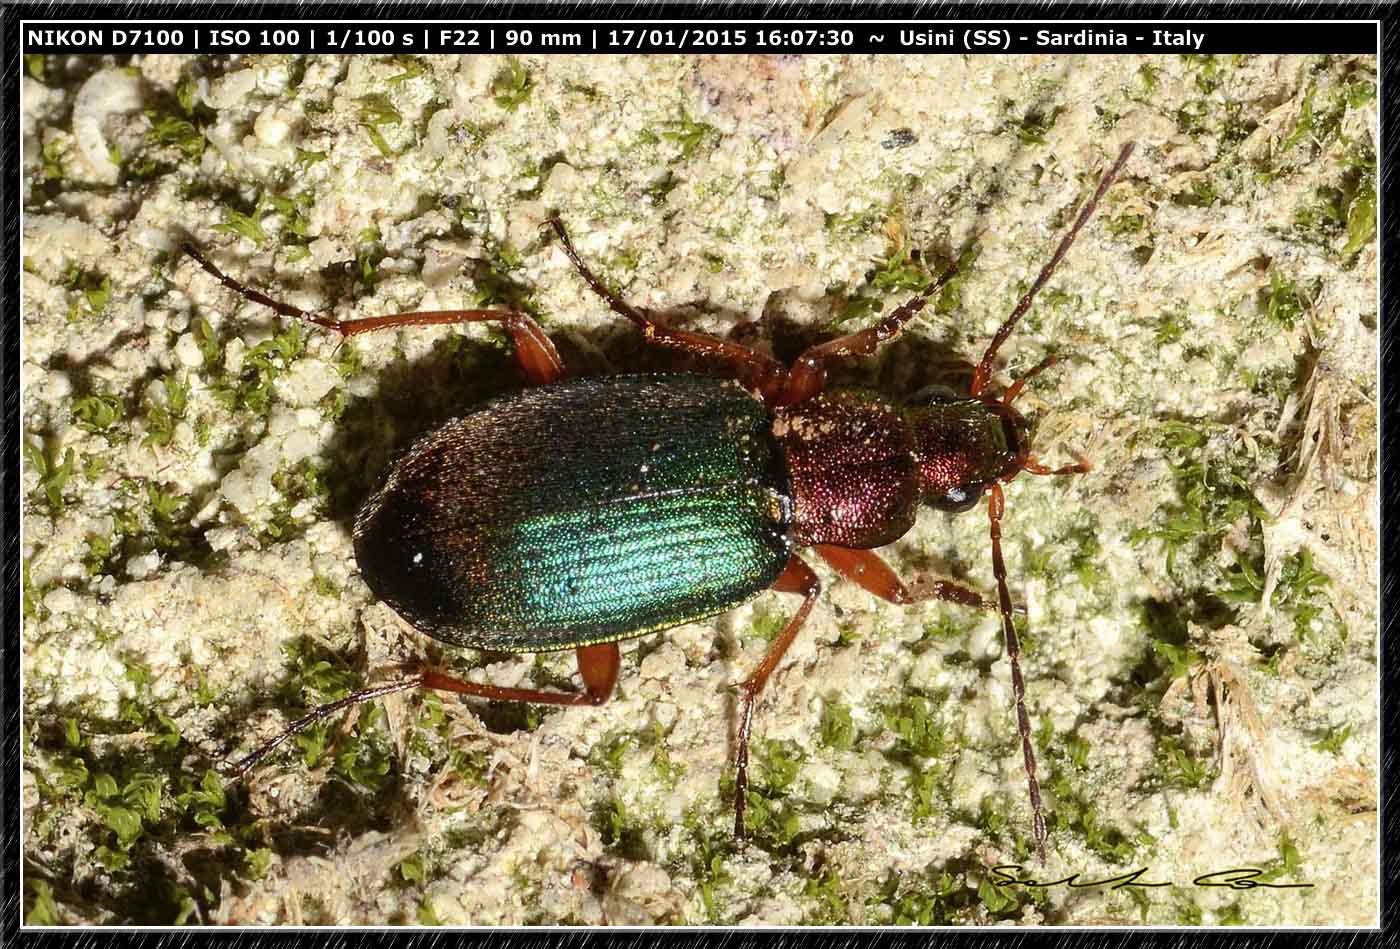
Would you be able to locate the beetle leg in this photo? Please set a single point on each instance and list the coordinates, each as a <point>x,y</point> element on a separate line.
<point>597,664</point>
<point>1081,465</point>
<point>865,567</point>
<point>534,351</point>
<point>1010,394</point>
<point>807,375</point>
<point>317,714</point>
<point>996,506</point>
<point>755,370</point>
<point>797,578</point>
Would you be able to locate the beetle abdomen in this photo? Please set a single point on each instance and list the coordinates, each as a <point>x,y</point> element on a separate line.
<point>584,511</point>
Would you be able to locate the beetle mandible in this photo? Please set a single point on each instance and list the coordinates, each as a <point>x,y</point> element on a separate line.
<point>579,513</point>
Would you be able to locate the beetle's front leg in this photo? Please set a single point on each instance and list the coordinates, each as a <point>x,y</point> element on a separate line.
<point>534,352</point>
<point>807,376</point>
<point>866,569</point>
<point>797,578</point>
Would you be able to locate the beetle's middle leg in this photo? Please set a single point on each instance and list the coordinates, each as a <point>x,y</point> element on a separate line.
<point>754,369</point>
<point>534,352</point>
<point>797,578</point>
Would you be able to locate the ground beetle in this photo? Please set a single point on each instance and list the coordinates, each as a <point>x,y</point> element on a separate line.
<point>577,514</point>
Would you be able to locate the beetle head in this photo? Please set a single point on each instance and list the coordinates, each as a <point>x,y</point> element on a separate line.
<point>962,444</point>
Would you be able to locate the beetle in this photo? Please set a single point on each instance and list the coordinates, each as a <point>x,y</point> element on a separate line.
<point>579,513</point>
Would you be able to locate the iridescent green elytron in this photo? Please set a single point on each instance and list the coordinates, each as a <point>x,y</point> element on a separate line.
<point>586,511</point>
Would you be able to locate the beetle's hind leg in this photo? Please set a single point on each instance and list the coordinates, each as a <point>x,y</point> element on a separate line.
<point>534,352</point>
<point>755,370</point>
<point>598,665</point>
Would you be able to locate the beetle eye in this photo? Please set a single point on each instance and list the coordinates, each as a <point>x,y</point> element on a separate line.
<point>934,395</point>
<point>959,499</point>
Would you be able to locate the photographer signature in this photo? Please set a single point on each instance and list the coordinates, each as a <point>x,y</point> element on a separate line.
<point>1236,878</point>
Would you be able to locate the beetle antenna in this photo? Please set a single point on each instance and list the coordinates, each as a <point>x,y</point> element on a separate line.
<point>996,507</point>
<point>324,711</point>
<point>984,368</point>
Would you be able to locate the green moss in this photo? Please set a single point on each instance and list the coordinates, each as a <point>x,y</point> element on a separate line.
<point>1232,915</point>
<point>855,223</point>
<point>690,135</point>
<point>96,412</point>
<point>898,272</point>
<point>161,417</point>
<point>1299,590</point>
<point>609,752</point>
<point>1361,217</point>
<point>168,515</point>
<point>252,390</point>
<point>1032,128</point>
<point>362,758</point>
<point>1125,224</point>
<point>1191,118</point>
<point>377,110</point>
<point>950,297</point>
<point>619,832</point>
<point>314,675</point>
<point>770,817</point>
<point>1317,122</point>
<point>54,155</point>
<point>53,475</point>
<point>1167,640</point>
<point>766,626</point>
<point>829,892</point>
<point>98,558</point>
<point>706,852</point>
<point>209,346</point>
<point>242,225</point>
<point>948,898</point>
<point>1202,194</point>
<point>512,85</point>
<point>179,132</point>
<point>412,67</point>
<point>94,292</point>
<point>1333,739</point>
<point>43,911</point>
<point>1208,71</point>
<point>1147,78</point>
<point>837,729</point>
<point>919,727</point>
<point>1214,490</point>
<point>1178,767</point>
<point>1076,804</point>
